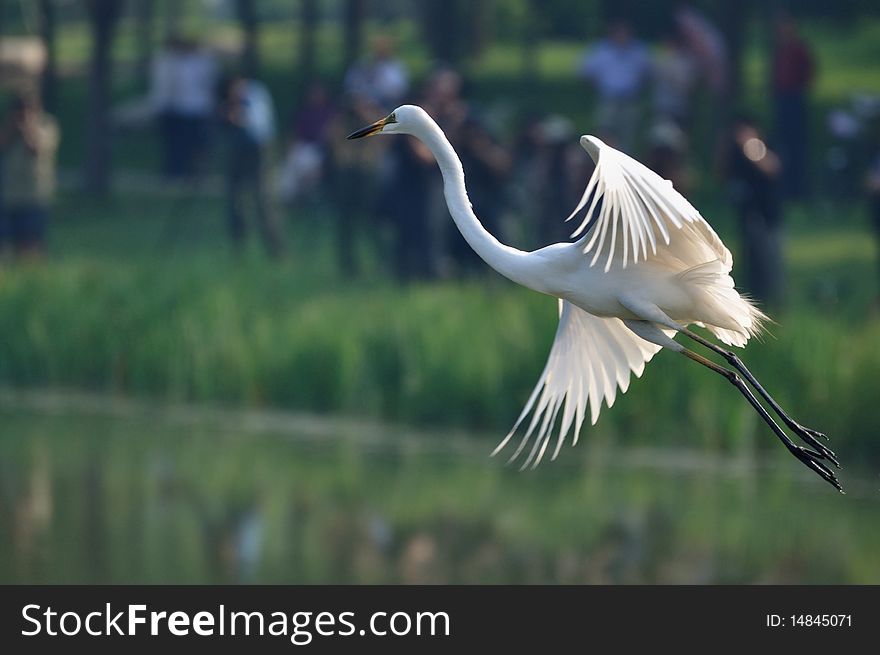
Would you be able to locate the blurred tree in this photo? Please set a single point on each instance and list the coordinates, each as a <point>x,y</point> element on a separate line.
<point>530,29</point>
<point>733,20</point>
<point>355,14</point>
<point>443,29</point>
<point>2,21</point>
<point>172,17</point>
<point>246,11</point>
<point>103,16</point>
<point>578,19</point>
<point>49,81</point>
<point>308,19</point>
<point>457,29</point>
<point>481,23</point>
<point>145,11</point>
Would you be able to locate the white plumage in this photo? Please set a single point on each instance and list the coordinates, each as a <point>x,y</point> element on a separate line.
<point>645,266</point>
<point>590,358</point>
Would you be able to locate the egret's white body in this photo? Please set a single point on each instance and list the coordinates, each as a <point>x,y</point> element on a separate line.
<point>645,266</point>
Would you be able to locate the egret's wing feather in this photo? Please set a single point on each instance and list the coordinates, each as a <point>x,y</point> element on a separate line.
<point>637,214</point>
<point>590,359</point>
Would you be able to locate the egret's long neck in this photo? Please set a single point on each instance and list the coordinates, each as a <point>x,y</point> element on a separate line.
<point>510,262</point>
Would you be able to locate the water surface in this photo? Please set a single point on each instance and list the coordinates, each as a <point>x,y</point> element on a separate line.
<point>176,496</point>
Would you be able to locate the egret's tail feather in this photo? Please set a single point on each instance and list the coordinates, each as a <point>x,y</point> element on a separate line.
<point>730,316</point>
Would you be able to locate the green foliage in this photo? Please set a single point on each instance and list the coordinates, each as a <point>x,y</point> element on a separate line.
<point>107,313</point>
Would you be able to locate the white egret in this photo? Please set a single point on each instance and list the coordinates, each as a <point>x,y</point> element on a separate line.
<point>644,267</point>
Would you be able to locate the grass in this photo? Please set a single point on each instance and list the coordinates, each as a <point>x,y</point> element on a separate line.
<point>141,295</point>
<point>121,308</point>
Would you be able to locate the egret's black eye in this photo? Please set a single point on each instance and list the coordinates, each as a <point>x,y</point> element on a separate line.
<point>391,118</point>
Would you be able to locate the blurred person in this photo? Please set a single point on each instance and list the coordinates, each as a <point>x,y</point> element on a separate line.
<point>406,198</point>
<point>29,140</point>
<point>675,73</point>
<point>793,74</point>
<point>184,78</point>
<point>443,95</point>
<point>248,119</point>
<point>383,78</point>
<point>529,155</point>
<point>752,172</point>
<point>306,158</point>
<point>709,50</point>
<point>487,165</point>
<point>618,67</point>
<point>354,176</point>
<point>542,186</point>
<point>667,155</point>
<point>708,46</point>
<point>412,196</point>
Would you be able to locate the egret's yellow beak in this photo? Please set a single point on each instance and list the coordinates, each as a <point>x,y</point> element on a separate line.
<point>372,128</point>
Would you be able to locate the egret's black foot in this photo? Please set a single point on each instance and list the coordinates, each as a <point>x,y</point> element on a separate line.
<point>813,460</point>
<point>817,434</point>
<point>812,437</point>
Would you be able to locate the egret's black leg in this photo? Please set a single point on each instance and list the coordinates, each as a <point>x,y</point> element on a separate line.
<point>808,457</point>
<point>809,435</point>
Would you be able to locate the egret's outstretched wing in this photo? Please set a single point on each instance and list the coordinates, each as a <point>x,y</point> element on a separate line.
<point>639,211</point>
<point>591,357</point>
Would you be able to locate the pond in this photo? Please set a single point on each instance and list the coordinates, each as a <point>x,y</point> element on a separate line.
<point>110,491</point>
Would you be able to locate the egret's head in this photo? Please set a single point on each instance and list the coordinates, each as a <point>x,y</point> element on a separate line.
<point>402,120</point>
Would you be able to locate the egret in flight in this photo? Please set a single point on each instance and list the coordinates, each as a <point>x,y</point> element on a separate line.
<point>644,266</point>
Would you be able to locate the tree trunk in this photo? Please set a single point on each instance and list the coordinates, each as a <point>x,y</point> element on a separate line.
<point>171,18</point>
<point>480,32</point>
<point>103,15</point>
<point>530,38</point>
<point>145,11</point>
<point>308,30</point>
<point>247,17</point>
<point>49,81</point>
<point>734,19</point>
<point>444,30</point>
<point>3,8</point>
<point>355,13</point>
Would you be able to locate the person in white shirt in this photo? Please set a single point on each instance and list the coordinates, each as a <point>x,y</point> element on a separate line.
<point>618,67</point>
<point>675,73</point>
<point>383,79</point>
<point>248,117</point>
<point>182,94</point>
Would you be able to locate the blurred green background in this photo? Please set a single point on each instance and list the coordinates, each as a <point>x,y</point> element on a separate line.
<point>171,413</point>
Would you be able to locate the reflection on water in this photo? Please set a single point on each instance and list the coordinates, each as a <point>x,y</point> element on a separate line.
<point>140,499</point>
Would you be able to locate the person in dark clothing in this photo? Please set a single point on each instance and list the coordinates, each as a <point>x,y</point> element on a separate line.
<point>547,179</point>
<point>29,140</point>
<point>752,172</point>
<point>182,92</point>
<point>352,173</point>
<point>486,165</point>
<point>406,203</point>
<point>793,74</point>
<point>249,126</point>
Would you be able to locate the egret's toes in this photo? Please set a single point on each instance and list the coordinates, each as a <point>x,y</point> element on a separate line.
<point>812,437</point>
<point>818,435</point>
<point>813,459</point>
